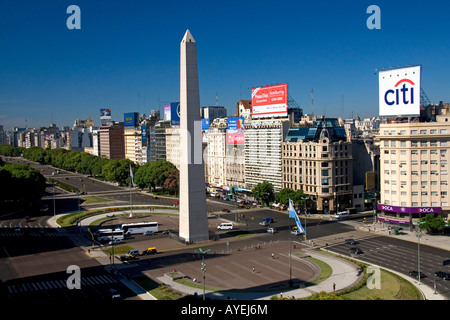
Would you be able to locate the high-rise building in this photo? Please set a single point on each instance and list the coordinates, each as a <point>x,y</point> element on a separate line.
<point>318,160</point>
<point>263,139</point>
<point>414,165</point>
<point>112,141</point>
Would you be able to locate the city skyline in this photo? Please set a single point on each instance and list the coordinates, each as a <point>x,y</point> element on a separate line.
<point>125,56</point>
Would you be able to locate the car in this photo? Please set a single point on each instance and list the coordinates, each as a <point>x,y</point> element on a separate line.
<point>114,241</point>
<point>127,257</point>
<point>275,205</point>
<point>225,226</point>
<point>168,231</point>
<point>351,241</point>
<point>271,230</point>
<point>17,228</point>
<point>355,250</point>
<point>442,274</point>
<point>213,194</point>
<point>415,274</point>
<point>225,210</point>
<point>295,232</point>
<point>115,295</point>
<point>264,223</point>
<point>27,219</point>
<point>269,220</point>
<point>149,233</point>
<point>155,197</point>
<point>151,250</point>
<point>44,208</point>
<point>133,252</point>
<point>341,215</point>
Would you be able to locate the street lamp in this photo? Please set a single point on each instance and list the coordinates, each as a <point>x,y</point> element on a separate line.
<point>203,267</point>
<point>419,235</point>
<point>112,239</point>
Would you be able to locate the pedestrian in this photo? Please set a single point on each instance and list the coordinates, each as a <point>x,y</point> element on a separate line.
<point>281,295</point>
<point>253,269</point>
<point>273,256</point>
<point>334,286</point>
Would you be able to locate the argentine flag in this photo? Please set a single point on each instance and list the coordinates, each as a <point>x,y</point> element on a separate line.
<point>293,214</point>
<point>132,177</point>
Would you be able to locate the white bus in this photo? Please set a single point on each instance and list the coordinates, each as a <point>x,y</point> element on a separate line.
<point>139,227</point>
<point>109,235</point>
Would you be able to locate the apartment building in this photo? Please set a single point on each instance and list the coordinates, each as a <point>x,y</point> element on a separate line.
<point>112,141</point>
<point>318,160</point>
<point>414,167</point>
<point>262,150</point>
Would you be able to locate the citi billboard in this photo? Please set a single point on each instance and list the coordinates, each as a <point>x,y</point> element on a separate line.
<point>399,93</point>
<point>270,101</point>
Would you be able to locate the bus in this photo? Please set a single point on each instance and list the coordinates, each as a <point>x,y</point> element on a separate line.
<point>104,235</point>
<point>139,227</point>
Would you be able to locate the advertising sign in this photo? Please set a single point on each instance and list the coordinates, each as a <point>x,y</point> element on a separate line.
<point>175,113</point>
<point>389,208</point>
<point>399,91</point>
<point>270,101</point>
<point>130,119</point>
<point>144,134</point>
<point>235,130</point>
<point>105,113</point>
<point>205,124</point>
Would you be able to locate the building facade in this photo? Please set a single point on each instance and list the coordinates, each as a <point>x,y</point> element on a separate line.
<point>414,164</point>
<point>318,160</point>
<point>111,137</point>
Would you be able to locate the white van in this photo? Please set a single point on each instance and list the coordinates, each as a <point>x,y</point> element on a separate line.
<point>225,226</point>
<point>341,215</point>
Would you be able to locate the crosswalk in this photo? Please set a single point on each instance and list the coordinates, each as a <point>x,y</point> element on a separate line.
<point>58,284</point>
<point>31,233</point>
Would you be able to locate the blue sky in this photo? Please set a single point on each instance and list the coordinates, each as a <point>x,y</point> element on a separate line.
<point>126,55</point>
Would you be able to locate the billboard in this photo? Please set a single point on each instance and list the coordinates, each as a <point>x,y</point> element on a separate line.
<point>270,101</point>
<point>131,119</point>
<point>144,134</point>
<point>205,124</point>
<point>235,130</point>
<point>399,91</point>
<point>172,113</point>
<point>105,114</point>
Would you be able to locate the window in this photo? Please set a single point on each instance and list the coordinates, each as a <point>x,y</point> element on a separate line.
<point>413,131</point>
<point>433,131</point>
<point>423,151</point>
<point>443,131</point>
<point>423,131</point>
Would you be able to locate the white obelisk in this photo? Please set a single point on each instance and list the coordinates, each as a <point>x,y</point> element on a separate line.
<point>193,215</point>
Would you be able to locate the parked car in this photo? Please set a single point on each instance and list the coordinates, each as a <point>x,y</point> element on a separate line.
<point>149,233</point>
<point>355,250</point>
<point>271,230</point>
<point>443,275</point>
<point>264,223</point>
<point>415,274</point>
<point>295,232</point>
<point>225,210</point>
<point>351,241</point>
<point>168,231</point>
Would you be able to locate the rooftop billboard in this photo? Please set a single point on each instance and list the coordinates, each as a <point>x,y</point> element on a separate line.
<point>399,93</point>
<point>270,101</point>
<point>235,130</point>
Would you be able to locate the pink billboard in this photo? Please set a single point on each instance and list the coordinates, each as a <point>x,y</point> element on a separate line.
<point>270,101</point>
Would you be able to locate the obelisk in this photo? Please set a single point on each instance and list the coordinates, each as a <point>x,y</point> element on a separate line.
<point>193,214</point>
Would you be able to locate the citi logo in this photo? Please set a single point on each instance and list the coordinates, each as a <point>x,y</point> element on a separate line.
<point>392,97</point>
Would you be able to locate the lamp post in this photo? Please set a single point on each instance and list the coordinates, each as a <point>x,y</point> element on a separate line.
<point>203,268</point>
<point>419,235</point>
<point>112,240</point>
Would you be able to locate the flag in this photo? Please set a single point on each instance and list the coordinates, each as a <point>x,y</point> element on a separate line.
<point>132,177</point>
<point>293,214</point>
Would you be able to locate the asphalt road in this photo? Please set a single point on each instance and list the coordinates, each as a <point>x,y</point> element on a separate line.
<point>401,256</point>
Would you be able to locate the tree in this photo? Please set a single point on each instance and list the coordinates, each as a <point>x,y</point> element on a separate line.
<point>21,183</point>
<point>264,192</point>
<point>432,223</point>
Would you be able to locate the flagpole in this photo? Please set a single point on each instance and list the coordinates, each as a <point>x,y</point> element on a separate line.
<point>131,186</point>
